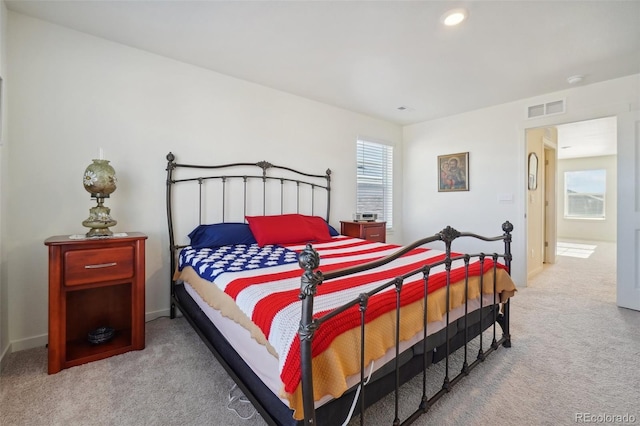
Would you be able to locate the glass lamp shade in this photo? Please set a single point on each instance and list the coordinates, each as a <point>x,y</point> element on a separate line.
<point>100,178</point>
<point>100,181</point>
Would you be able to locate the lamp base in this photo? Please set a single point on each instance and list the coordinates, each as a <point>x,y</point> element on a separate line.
<point>99,232</point>
<point>99,221</point>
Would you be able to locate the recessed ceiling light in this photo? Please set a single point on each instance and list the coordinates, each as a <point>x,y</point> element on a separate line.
<point>454,17</point>
<point>575,79</point>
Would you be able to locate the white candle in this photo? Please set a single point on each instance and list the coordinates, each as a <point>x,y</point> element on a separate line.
<point>100,154</point>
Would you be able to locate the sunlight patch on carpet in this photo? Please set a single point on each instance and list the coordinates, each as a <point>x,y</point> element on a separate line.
<point>575,250</point>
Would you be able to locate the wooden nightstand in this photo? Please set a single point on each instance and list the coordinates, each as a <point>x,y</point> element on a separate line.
<point>95,283</point>
<point>372,231</point>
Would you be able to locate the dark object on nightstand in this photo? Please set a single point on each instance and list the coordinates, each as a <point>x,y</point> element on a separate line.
<point>100,335</point>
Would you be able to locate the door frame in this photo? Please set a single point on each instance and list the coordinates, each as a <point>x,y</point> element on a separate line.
<point>551,206</point>
<point>628,203</point>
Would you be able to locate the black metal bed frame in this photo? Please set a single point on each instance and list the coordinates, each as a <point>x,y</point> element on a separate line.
<point>312,277</point>
<point>309,260</point>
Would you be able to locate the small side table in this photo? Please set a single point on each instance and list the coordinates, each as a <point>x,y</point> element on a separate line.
<point>372,231</point>
<point>95,283</point>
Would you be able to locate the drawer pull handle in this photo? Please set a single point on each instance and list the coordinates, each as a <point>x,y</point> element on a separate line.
<point>100,265</point>
<point>375,235</point>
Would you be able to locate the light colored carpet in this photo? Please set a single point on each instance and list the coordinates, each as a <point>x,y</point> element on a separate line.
<point>573,352</point>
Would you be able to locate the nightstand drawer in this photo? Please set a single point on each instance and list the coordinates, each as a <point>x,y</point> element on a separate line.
<point>97,265</point>
<point>375,233</point>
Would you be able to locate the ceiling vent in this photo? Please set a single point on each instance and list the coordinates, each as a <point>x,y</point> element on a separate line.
<point>549,108</point>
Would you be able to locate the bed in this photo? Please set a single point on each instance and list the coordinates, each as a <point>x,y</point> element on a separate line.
<point>314,326</point>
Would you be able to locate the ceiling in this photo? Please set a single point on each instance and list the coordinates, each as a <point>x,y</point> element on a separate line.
<point>590,138</point>
<point>388,59</point>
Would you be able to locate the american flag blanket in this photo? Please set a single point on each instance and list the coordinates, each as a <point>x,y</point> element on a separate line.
<point>265,284</point>
<point>211,262</point>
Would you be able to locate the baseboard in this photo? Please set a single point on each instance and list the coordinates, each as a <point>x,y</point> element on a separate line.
<point>42,340</point>
<point>29,343</point>
<point>150,316</point>
<point>3,356</point>
<point>535,272</point>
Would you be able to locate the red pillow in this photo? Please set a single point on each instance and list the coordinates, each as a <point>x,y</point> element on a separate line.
<point>319,227</point>
<point>288,229</point>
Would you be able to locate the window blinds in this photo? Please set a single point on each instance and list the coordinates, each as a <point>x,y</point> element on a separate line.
<point>375,180</point>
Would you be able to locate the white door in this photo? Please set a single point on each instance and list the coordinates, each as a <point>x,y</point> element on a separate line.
<point>628,251</point>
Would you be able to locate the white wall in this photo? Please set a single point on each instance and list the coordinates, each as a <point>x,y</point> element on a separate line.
<point>585,229</point>
<point>495,139</point>
<point>72,93</point>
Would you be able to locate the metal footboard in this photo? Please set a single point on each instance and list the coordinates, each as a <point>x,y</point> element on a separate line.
<point>309,260</point>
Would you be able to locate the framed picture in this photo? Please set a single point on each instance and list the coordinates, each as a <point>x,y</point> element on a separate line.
<point>453,172</point>
<point>533,171</point>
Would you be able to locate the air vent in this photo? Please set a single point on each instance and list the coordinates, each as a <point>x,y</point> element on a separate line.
<point>549,108</point>
<point>556,107</point>
<point>536,111</point>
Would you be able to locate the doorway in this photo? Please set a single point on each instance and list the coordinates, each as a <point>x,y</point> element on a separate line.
<point>575,201</point>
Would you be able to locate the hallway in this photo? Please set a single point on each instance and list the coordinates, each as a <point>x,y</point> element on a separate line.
<point>586,268</point>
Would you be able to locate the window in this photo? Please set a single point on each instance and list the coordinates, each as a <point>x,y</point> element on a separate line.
<point>374,193</point>
<point>584,193</point>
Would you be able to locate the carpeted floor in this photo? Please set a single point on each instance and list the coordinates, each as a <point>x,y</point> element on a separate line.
<point>574,354</point>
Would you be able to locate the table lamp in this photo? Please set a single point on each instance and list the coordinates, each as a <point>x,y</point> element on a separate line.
<point>100,181</point>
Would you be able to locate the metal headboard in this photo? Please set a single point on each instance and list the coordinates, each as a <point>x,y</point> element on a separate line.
<point>245,174</point>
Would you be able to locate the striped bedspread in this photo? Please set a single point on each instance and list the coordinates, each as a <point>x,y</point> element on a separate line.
<point>268,296</point>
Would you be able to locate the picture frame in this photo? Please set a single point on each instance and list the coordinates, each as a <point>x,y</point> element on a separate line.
<point>533,172</point>
<point>453,172</point>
